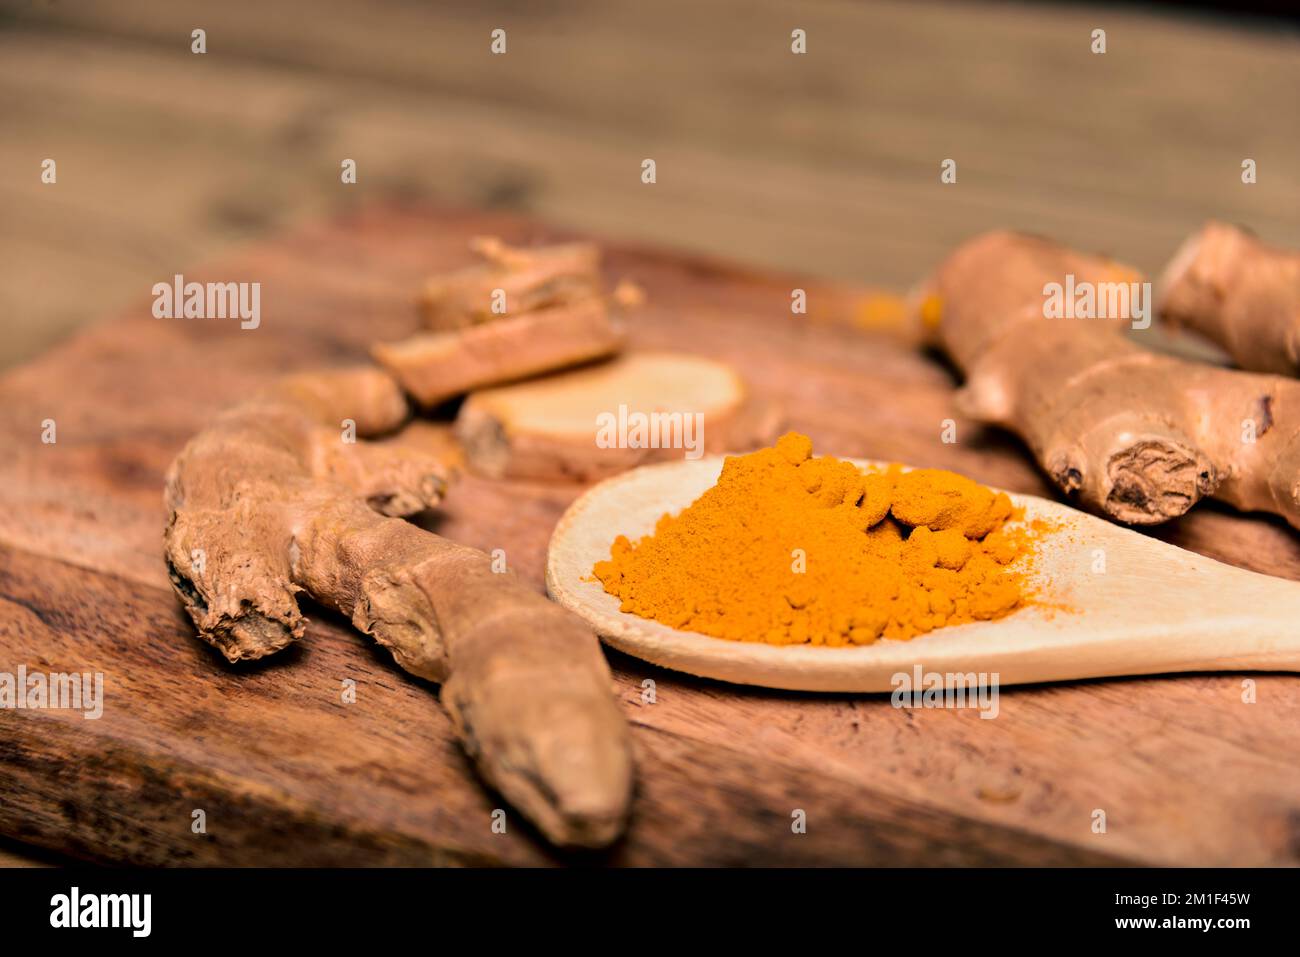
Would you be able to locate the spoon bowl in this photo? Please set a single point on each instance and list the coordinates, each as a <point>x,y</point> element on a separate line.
<point>1107,601</point>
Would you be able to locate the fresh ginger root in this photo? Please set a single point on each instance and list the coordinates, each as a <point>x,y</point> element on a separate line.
<point>1137,436</point>
<point>1238,292</point>
<point>270,501</point>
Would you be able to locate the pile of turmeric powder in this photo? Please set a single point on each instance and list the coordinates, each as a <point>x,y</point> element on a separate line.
<point>791,549</point>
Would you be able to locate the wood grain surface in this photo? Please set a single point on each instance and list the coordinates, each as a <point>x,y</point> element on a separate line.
<point>827,163</point>
<point>1186,772</point>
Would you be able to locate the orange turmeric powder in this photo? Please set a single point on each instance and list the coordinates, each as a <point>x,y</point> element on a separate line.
<point>791,549</point>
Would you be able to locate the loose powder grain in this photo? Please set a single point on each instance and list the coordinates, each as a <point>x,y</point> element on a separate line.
<point>791,549</point>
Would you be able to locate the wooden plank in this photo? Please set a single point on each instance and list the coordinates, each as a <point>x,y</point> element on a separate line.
<point>285,773</point>
<point>1185,770</point>
<point>1019,87</point>
<point>825,163</point>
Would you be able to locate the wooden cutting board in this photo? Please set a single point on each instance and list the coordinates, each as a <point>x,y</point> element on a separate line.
<point>1185,770</point>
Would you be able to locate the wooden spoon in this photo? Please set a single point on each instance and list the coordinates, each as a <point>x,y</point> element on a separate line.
<point>1113,602</point>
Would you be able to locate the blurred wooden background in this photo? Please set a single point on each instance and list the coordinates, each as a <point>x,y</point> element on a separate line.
<point>826,162</point>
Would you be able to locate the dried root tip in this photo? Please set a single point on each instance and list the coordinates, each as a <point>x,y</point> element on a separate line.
<point>1137,478</point>
<point>252,635</point>
<point>539,719</point>
<point>1068,471</point>
<point>1155,481</point>
<point>400,501</point>
<point>230,578</point>
<point>242,631</point>
<point>562,757</point>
